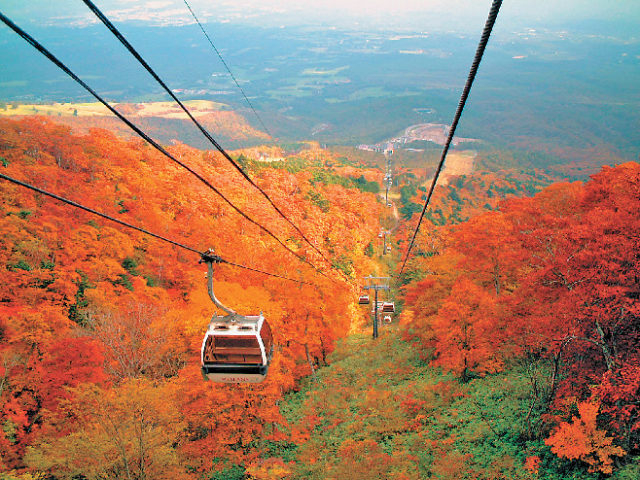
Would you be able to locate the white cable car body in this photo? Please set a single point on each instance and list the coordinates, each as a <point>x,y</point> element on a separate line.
<point>363,300</point>
<point>236,348</point>
<point>387,319</point>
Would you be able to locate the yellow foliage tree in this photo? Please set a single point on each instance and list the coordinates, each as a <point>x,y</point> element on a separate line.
<point>128,432</point>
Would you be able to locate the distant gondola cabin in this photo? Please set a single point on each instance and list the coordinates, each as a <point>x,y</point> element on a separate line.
<point>363,300</point>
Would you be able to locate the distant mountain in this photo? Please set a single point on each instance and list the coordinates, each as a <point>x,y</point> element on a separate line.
<point>542,88</point>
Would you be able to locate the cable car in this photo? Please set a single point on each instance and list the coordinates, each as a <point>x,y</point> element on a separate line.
<point>388,307</point>
<point>387,319</point>
<point>363,300</point>
<point>236,348</point>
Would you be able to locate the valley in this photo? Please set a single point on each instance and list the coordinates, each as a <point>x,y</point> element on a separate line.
<point>279,290</point>
<point>405,406</point>
<point>332,85</point>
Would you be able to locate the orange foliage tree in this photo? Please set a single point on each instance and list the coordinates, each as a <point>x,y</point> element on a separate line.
<point>582,439</point>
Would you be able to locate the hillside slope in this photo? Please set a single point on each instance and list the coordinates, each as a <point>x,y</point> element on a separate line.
<point>380,411</point>
<point>101,327</point>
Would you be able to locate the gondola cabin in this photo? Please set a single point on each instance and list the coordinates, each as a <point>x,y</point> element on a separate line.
<point>387,319</point>
<point>388,307</point>
<point>237,349</point>
<point>363,300</point>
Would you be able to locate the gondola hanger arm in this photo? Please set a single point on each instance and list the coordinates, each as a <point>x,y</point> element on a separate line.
<point>209,257</point>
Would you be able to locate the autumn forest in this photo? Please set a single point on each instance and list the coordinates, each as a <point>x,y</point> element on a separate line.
<point>251,240</point>
<point>513,353</point>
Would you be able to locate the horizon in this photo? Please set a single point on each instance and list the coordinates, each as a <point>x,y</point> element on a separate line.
<point>436,15</point>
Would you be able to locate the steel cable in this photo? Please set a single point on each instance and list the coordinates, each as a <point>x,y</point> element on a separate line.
<point>139,229</point>
<point>484,39</point>
<point>227,67</point>
<point>204,131</point>
<point>33,42</point>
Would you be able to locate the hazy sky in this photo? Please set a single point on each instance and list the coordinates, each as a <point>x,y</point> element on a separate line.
<point>440,14</point>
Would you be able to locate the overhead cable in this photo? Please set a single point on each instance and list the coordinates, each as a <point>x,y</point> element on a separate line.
<point>227,67</point>
<point>139,229</point>
<point>204,131</point>
<point>146,137</point>
<point>484,39</point>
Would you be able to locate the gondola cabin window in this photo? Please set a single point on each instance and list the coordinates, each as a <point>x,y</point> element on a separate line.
<point>234,349</point>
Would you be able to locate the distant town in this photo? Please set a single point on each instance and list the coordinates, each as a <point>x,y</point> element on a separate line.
<point>428,132</point>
